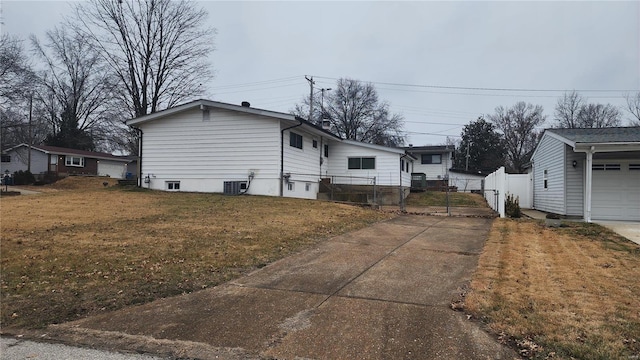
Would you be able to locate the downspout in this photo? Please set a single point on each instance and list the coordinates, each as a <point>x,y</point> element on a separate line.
<point>282,154</point>
<point>139,131</point>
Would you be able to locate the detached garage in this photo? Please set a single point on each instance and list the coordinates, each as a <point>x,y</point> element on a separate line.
<point>593,174</point>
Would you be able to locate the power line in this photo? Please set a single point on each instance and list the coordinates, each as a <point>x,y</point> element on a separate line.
<point>486,88</point>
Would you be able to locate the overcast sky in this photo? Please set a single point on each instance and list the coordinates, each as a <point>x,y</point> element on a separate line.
<point>412,51</point>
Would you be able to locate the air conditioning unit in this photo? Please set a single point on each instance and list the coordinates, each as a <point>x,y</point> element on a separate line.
<point>234,187</point>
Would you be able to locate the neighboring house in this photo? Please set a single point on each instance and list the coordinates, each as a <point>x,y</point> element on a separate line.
<point>589,173</point>
<point>433,161</point>
<point>209,146</point>
<point>466,181</point>
<point>62,161</point>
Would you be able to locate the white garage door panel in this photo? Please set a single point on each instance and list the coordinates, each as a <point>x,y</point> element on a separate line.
<point>112,169</point>
<point>616,193</point>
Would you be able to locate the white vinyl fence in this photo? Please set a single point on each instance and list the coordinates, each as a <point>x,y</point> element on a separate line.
<point>499,184</point>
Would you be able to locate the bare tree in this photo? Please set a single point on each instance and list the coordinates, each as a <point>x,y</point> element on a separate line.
<point>598,116</point>
<point>16,76</point>
<point>158,49</point>
<point>633,106</point>
<point>17,84</point>
<point>355,113</point>
<point>518,125</point>
<point>77,92</point>
<point>567,110</point>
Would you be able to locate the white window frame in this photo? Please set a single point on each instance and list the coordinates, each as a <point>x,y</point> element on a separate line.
<point>171,185</point>
<point>307,187</point>
<point>69,161</point>
<point>291,186</point>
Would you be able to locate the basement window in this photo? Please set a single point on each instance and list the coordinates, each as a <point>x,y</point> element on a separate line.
<point>77,161</point>
<point>307,187</point>
<point>291,186</point>
<point>173,185</point>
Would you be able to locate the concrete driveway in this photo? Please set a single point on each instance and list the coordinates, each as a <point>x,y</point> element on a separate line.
<point>383,292</point>
<point>628,229</point>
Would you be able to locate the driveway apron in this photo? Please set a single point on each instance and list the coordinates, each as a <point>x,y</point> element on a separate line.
<point>382,292</point>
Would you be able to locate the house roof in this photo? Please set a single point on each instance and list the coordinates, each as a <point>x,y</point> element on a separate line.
<point>65,151</point>
<point>600,135</point>
<point>203,103</point>
<point>396,150</point>
<point>431,148</point>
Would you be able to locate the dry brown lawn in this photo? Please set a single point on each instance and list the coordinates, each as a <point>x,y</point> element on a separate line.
<point>571,292</point>
<point>67,254</point>
<point>439,198</point>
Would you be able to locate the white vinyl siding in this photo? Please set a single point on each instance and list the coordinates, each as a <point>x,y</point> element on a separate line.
<point>574,180</point>
<point>433,171</point>
<point>19,159</point>
<point>550,156</point>
<point>303,164</point>
<point>203,154</point>
<point>387,168</point>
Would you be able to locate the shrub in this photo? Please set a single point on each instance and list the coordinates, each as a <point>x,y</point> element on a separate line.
<point>512,206</point>
<point>23,178</point>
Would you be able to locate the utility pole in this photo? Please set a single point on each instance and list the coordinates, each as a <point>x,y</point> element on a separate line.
<point>311,83</point>
<point>466,168</point>
<point>30,141</point>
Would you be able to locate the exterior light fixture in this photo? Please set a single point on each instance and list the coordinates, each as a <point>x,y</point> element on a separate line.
<point>574,163</point>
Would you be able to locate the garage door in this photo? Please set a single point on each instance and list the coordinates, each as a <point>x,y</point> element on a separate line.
<point>113,169</point>
<point>616,191</point>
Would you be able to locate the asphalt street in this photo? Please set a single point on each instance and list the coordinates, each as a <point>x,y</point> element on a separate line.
<point>17,349</point>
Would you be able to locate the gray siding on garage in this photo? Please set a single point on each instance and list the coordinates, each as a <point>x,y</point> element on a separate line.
<point>574,188</point>
<point>549,156</point>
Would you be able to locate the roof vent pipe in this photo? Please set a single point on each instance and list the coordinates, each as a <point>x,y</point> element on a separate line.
<point>246,104</point>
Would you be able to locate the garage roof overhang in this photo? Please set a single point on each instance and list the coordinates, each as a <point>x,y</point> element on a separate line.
<point>606,147</point>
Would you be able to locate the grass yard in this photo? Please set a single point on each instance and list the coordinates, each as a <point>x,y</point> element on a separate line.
<point>571,292</point>
<point>439,198</point>
<point>80,249</point>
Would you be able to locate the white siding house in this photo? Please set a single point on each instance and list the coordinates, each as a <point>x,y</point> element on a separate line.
<point>203,146</point>
<point>63,161</point>
<point>466,181</point>
<point>434,161</point>
<point>588,173</point>
<point>358,163</point>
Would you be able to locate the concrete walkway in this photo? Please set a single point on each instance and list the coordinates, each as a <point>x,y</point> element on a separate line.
<point>21,191</point>
<point>628,229</point>
<point>16,349</point>
<point>383,292</point>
